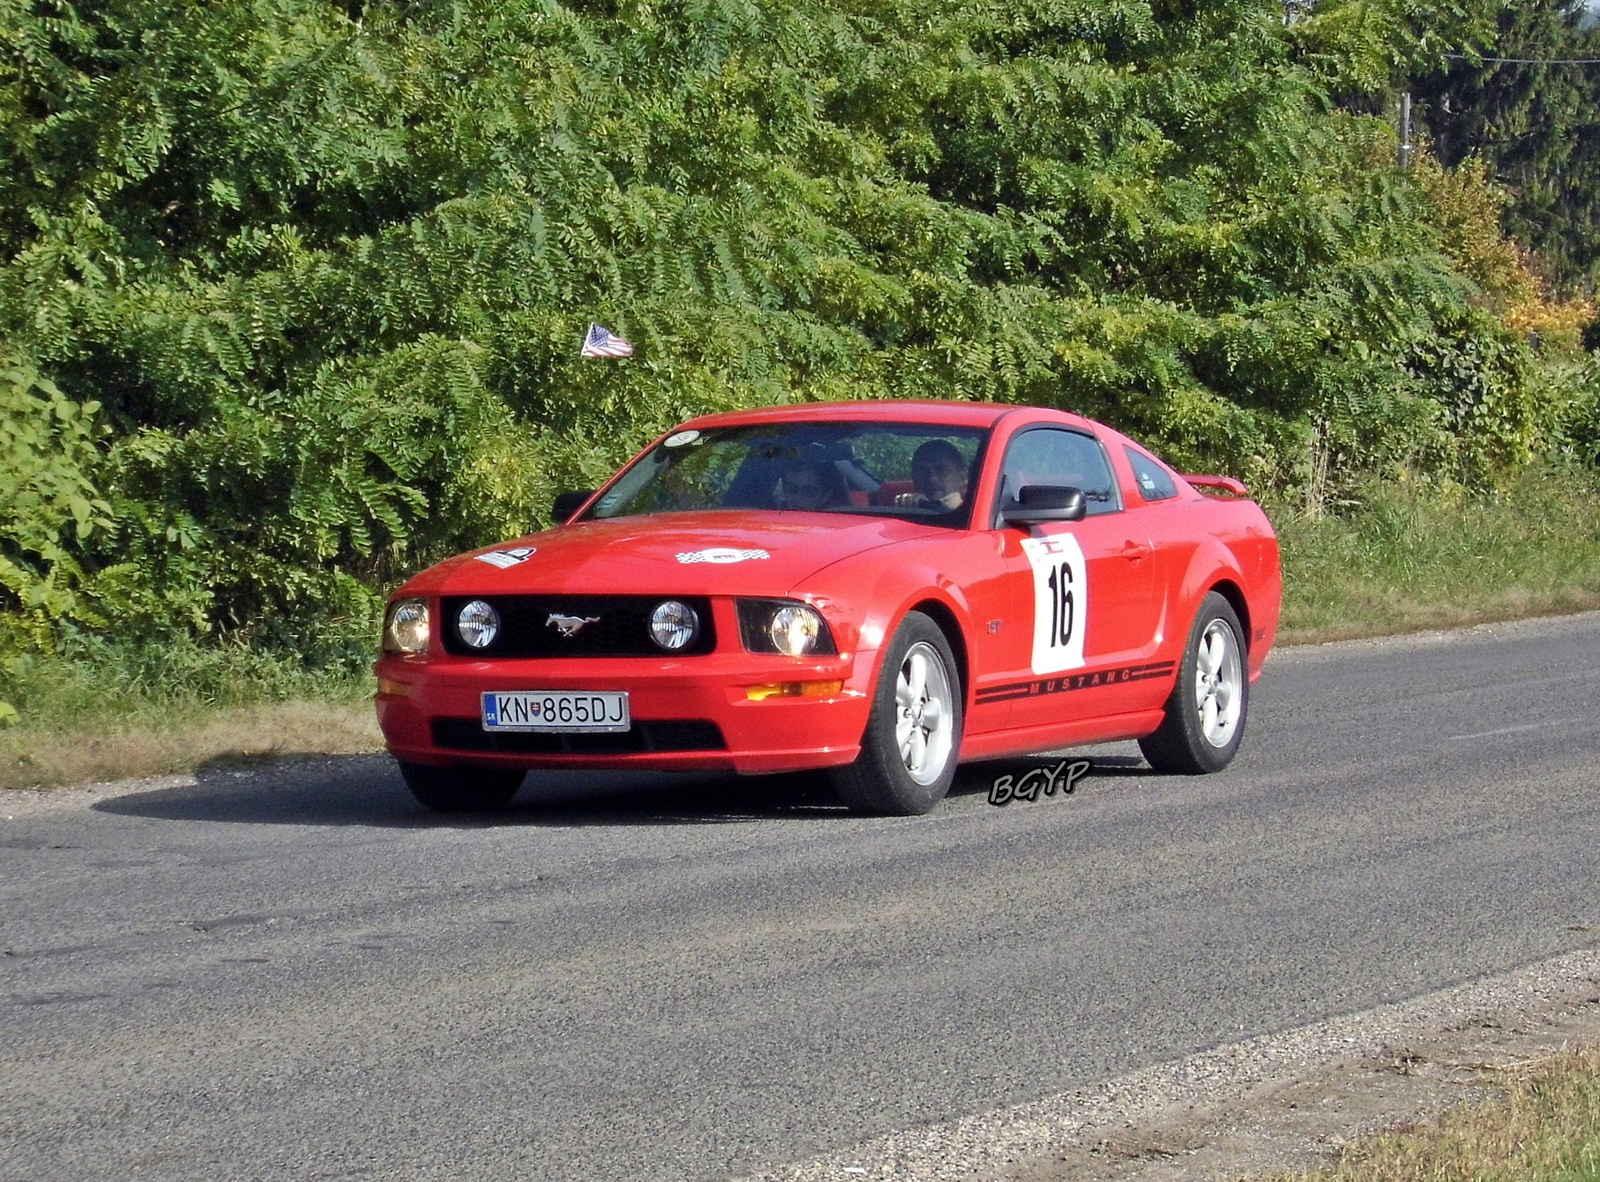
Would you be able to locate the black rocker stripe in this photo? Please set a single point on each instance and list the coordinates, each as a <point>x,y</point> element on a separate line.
<point>1066,682</point>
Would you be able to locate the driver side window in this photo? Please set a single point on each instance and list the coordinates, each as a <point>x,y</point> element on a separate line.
<point>1052,455</point>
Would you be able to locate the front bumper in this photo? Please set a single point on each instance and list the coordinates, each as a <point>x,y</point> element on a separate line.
<point>688,714</point>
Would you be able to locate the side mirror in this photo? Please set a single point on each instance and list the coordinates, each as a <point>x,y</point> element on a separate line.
<point>1037,503</point>
<point>568,503</point>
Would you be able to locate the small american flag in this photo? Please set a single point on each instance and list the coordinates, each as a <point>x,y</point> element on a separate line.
<point>602,342</point>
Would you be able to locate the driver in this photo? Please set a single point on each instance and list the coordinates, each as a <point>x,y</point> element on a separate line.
<point>940,477</point>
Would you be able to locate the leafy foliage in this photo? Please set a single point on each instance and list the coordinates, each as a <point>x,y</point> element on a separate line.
<point>318,273</point>
<point>1363,48</point>
<point>1468,206</point>
<point>47,500</point>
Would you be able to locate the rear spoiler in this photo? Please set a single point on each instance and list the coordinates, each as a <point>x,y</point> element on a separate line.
<point>1223,484</point>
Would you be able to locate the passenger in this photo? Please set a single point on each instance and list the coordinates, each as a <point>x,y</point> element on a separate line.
<point>811,487</point>
<point>940,477</point>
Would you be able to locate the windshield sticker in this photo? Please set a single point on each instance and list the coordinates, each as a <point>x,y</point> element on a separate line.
<point>1060,602</point>
<point>681,438</point>
<point>505,558</point>
<point>721,555</point>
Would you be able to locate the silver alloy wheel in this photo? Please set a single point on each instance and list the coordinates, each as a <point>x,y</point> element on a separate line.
<point>1218,683</point>
<point>924,716</point>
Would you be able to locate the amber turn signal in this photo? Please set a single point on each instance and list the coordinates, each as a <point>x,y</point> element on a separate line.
<point>793,689</point>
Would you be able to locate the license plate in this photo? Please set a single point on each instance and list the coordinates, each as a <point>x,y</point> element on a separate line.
<point>577,711</point>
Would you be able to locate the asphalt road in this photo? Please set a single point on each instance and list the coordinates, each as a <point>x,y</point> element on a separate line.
<point>295,972</point>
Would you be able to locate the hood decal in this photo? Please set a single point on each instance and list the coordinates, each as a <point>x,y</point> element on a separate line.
<point>721,555</point>
<point>505,558</point>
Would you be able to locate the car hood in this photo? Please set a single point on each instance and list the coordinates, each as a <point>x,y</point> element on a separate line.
<point>717,553</point>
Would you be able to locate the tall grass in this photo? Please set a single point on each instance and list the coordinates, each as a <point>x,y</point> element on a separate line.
<point>106,676</point>
<point>109,710</point>
<point>1407,557</point>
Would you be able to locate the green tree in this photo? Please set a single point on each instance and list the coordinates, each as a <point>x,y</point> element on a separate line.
<point>325,268</point>
<point>1537,124</point>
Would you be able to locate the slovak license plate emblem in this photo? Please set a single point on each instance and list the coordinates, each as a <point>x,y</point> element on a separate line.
<point>572,711</point>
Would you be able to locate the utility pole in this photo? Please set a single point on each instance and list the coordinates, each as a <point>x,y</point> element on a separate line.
<point>1407,147</point>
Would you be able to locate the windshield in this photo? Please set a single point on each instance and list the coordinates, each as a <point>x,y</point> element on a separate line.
<point>910,470</point>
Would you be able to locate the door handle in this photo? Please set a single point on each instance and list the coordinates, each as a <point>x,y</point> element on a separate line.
<point>1133,551</point>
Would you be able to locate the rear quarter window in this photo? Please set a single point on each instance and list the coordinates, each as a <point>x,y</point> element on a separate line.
<point>1154,481</point>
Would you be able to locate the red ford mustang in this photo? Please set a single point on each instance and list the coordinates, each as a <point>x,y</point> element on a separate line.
<point>879,589</point>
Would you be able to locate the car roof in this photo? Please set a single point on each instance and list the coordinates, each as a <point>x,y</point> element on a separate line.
<point>923,410</point>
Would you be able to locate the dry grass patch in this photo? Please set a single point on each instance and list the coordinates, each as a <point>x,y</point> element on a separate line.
<point>180,740</point>
<point>1544,1128</point>
<point>1393,614</point>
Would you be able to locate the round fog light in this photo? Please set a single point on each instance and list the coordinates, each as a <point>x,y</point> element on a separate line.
<point>478,624</point>
<point>674,625</point>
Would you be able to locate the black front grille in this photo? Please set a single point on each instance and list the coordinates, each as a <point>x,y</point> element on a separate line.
<point>467,734</point>
<point>621,626</point>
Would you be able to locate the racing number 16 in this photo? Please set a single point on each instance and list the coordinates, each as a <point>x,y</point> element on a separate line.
<point>1061,602</point>
<point>1061,605</point>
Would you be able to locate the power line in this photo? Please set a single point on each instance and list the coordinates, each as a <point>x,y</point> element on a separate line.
<point>1529,61</point>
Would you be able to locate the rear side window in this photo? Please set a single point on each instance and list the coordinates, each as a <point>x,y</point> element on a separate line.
<point>1154,481</point>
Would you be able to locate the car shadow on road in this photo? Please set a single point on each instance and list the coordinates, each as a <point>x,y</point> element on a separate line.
<point>367,790</point>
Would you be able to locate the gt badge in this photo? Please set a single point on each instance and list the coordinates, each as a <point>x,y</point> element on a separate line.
<point>569,625</point>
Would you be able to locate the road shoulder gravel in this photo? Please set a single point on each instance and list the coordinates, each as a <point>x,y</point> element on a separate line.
<point>1289,1100</point>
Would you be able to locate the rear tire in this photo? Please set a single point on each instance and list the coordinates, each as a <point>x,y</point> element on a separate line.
<point>1207,710</point>
<point>461,789</point>
<point>908,753</point>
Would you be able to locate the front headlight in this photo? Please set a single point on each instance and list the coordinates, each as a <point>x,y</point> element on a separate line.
<point>784,626</point>
<point>406,629</point>
<point>794,630</point>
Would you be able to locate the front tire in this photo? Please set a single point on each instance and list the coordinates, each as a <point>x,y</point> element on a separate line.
<point>461,789</point>
<point>908,753</point>
<point>1207,710</point>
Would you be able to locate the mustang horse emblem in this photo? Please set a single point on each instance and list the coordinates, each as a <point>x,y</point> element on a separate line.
<point>569,625</point>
